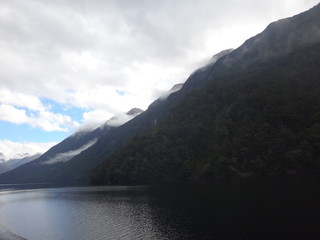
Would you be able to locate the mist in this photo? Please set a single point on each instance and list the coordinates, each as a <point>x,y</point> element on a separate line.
<point>66,156</point>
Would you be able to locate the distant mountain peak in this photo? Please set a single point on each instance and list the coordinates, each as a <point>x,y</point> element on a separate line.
<point>219,55</point>
<point>10,164</point>
<point>176,88</point>
<point>115,121</point>
<point>134,112</point>
<point>122,118</point>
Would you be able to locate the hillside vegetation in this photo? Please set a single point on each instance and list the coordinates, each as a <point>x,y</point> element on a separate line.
<point>258,120</point>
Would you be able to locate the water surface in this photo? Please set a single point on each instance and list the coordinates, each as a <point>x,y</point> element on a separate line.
<point>253,208</point>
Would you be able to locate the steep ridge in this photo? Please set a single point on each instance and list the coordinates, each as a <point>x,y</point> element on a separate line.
<point>14,163</point>
<point>48,166</point>
<point>255,111</point>
<point>280,38</point>
<point>41,169</point>
<point>4,167</point>
<point>106,145</point>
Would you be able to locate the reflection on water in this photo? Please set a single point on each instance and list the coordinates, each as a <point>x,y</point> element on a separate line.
<point>79,213</point>
<point>252,208</point>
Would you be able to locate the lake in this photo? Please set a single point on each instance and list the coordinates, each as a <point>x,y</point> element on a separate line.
<point>272,207</point>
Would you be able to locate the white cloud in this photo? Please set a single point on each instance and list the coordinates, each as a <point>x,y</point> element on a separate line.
<point>97,118</point>
<point>119,119</point>
<point>11,114</point>
<point>21,100</point>
<point>49,121</point>
<point>79,53</point>
<point>66,156</point>
<point>20,108</point>
<point>13,150</point>
<point>93,119</point>
<point>45,120</point>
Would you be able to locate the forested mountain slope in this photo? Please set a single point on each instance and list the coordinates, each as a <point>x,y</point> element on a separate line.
<point>258,112</point>
<point>77,169</point>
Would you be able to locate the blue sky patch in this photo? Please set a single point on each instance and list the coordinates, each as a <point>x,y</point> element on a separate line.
<point>121,92</point>
<point>55,107</point>
<point>24,132</point>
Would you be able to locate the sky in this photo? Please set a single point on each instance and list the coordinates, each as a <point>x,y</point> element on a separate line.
<point>65,64</point>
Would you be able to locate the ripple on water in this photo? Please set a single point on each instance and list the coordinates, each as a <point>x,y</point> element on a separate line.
<point>5,234</point>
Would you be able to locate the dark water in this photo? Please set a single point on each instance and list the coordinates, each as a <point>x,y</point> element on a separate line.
<point>286,207</point>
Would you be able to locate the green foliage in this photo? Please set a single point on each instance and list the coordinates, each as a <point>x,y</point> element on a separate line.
<point>265,119</point>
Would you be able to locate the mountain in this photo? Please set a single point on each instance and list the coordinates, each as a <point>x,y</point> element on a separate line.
<point>122,118</point>
<point>76,170</point>
<point>88,148</point>
<point>280,38</point>
<point>117,137</point>
<point>242,113</point>
<point>256,110</point>
<point>174,89</point>
<point>14,163</point>
<point>134,112</point>
<point>4,167</point>
<point>219,55</point>
<point>47,167</point>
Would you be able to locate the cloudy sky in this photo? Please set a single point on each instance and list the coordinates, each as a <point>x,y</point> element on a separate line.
<point>67,63</point>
